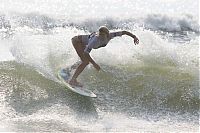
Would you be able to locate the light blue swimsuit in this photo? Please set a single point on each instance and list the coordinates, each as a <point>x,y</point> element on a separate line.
<point>93,41</point>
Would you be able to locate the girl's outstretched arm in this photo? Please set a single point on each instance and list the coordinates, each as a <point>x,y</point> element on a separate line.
<point>136,40</point>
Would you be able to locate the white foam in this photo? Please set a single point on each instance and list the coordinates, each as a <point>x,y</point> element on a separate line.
<point>5,54</point>
<point>93,8</point>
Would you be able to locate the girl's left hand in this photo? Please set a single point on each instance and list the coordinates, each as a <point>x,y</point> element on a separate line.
<point>136,40</point>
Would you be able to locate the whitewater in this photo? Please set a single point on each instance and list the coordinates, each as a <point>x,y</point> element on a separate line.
<point>150,87</point>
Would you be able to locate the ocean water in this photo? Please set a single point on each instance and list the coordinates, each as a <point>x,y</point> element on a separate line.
<point>150,87</point>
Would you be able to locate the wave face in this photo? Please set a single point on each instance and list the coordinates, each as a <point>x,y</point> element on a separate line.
<point>146,87</point>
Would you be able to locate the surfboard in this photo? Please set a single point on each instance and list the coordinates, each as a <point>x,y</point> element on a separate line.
<point>64,75</point>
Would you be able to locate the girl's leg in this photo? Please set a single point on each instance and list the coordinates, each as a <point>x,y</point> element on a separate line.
<point>79,49</point>
<point>78,71</point>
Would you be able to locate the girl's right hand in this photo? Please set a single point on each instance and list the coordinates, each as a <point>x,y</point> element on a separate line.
<point>96,66</point>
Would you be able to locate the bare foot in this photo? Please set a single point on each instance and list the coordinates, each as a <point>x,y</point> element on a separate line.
<point>75,83</point>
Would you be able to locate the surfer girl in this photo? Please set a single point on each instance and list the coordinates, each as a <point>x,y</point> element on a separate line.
<point>83,45</point>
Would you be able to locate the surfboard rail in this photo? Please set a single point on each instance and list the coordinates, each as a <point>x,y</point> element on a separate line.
<point>63,75</point>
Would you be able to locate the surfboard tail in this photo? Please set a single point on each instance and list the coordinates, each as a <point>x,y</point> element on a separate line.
<point>64,75</point>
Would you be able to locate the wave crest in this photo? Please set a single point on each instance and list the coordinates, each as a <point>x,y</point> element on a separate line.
<point>155,22</point>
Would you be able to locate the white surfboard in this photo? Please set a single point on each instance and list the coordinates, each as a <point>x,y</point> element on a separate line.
<point>64,75</point>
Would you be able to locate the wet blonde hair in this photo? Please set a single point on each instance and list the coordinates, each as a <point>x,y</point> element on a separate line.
<point>104,29</point>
